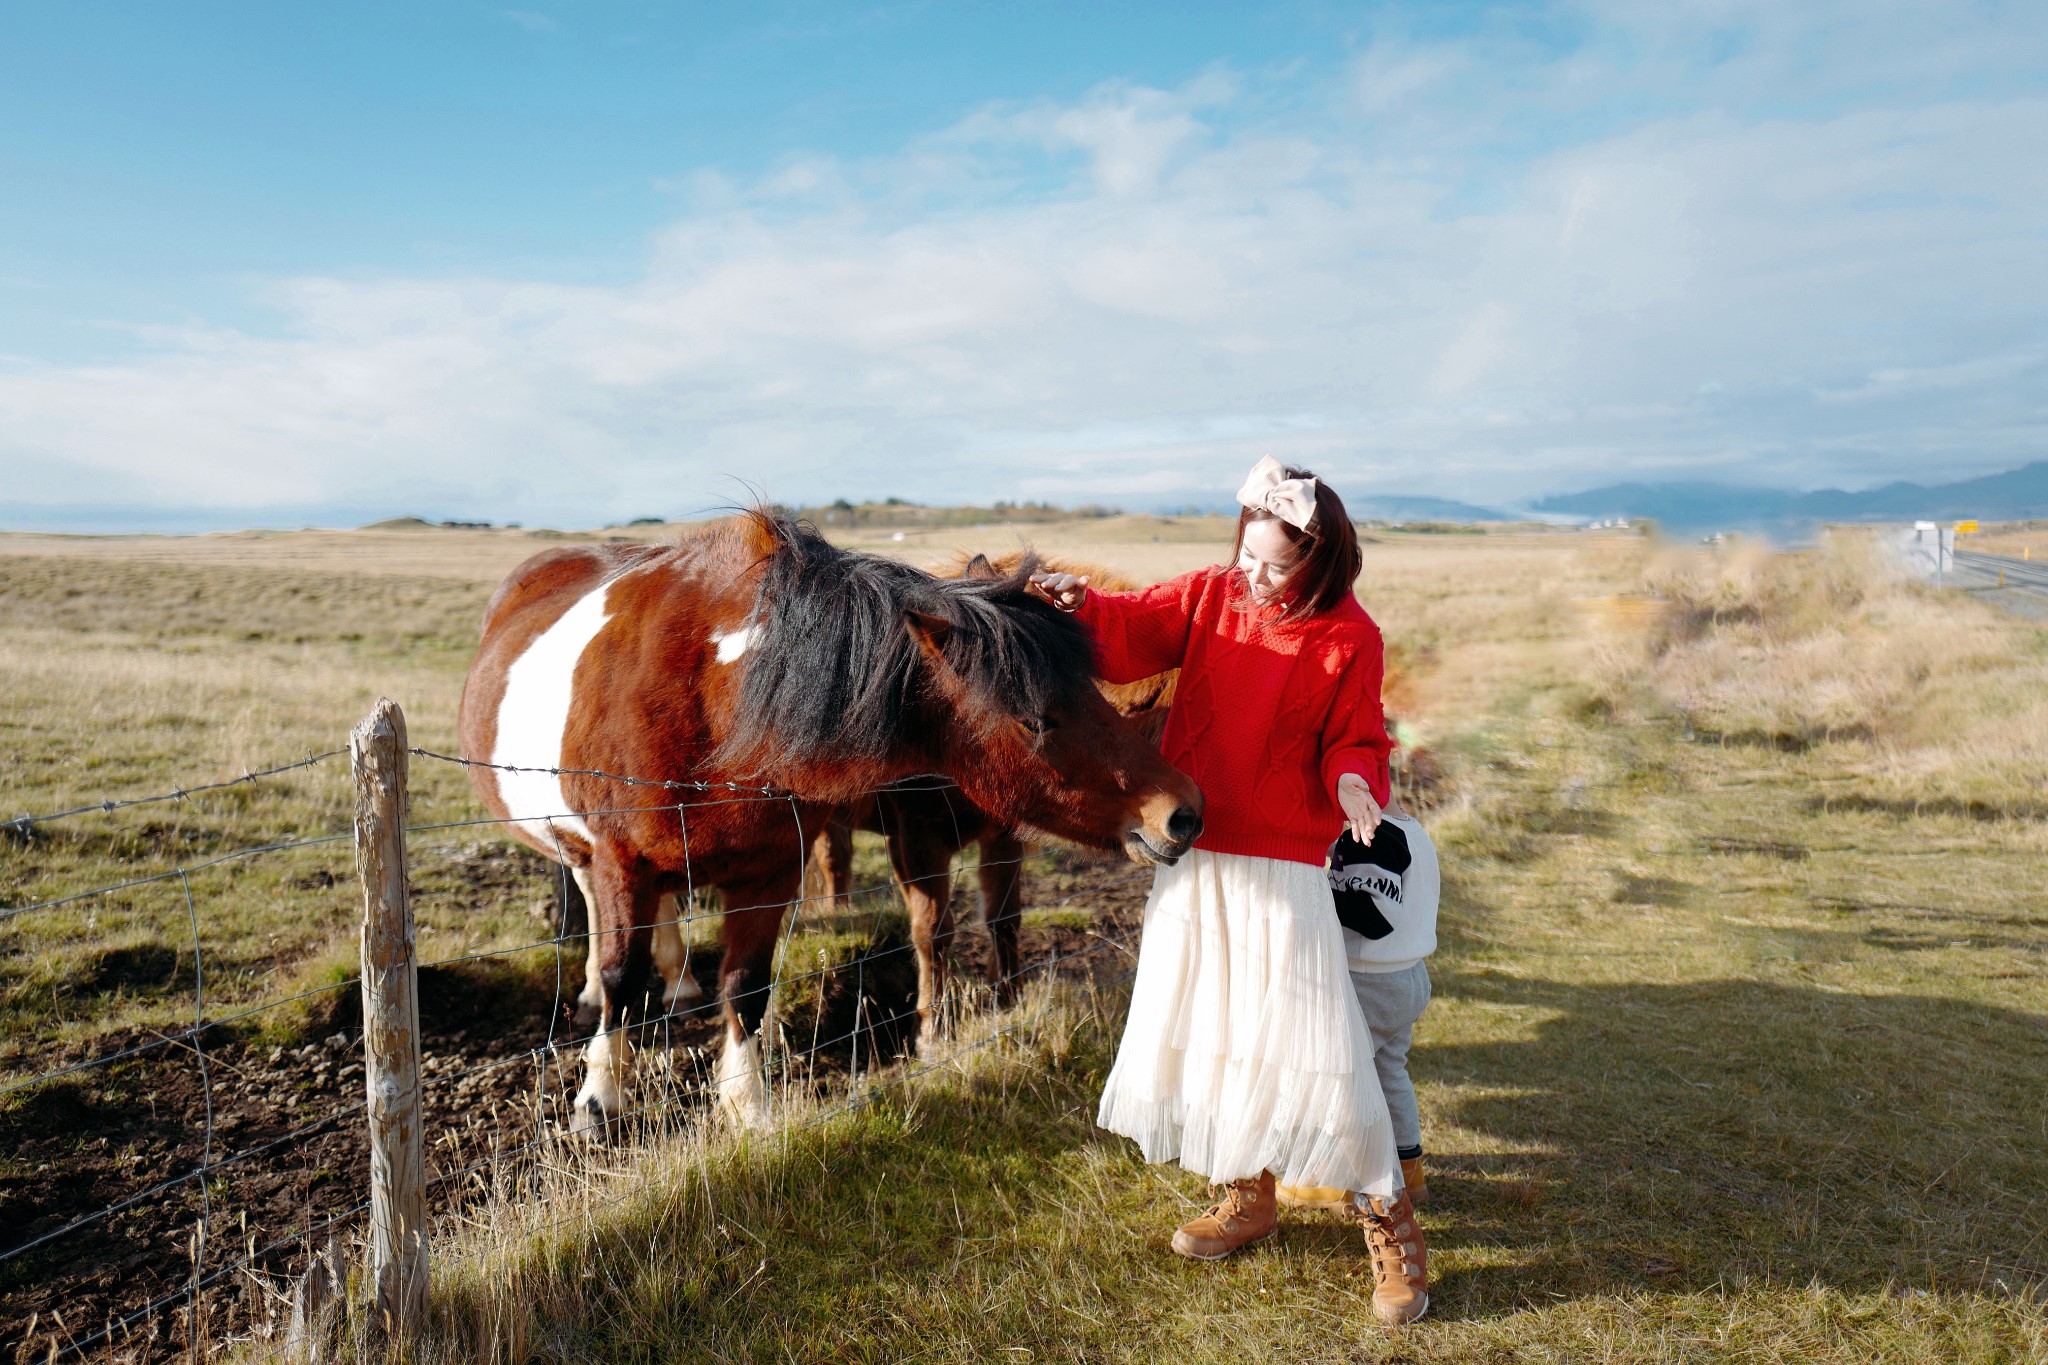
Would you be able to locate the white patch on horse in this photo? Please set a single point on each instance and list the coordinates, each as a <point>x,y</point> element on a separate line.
<point>591,1000</point>
<point>610,1066</point>
<point>742,1089</point>
<point>533,716</point>
<point>733,643</point>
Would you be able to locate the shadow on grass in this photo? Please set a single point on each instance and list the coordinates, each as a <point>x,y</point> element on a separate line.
<point>1650,1141</point>
<point>1915,808</point>
<point>842,1240</point>
<point>1735,1132</point>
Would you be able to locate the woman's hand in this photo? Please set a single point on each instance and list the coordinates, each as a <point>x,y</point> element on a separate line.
<point>1063,590</point>
<point>1361,812</point>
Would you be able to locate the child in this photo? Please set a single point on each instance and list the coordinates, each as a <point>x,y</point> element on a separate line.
<point>1244,1055</point>
<point>1386,894</point>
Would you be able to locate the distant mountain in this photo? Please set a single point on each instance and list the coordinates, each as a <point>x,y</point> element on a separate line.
<point>2011,496</point>
<point>1423,509</point>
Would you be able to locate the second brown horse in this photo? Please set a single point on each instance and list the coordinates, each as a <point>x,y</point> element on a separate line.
<point>924,824</point>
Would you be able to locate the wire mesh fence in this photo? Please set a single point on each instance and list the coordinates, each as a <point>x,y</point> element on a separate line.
<point>168,1181</point>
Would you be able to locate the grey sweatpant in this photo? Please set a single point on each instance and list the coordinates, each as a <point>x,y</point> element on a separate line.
<point>1392,1002</point>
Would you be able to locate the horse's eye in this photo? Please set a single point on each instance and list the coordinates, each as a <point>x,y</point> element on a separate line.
<point>1035,726</point>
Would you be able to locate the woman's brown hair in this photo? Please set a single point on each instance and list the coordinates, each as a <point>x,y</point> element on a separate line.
<point>1326,556</point>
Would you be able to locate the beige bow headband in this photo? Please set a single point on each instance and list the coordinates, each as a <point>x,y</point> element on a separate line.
<point>1268,488</point>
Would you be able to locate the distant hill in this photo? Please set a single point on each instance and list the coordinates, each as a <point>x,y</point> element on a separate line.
<point>898,512</point>
<point>2011,496</point>
<point>1423,509</point>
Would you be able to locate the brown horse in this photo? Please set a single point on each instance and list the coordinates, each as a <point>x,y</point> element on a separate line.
<point>924,824</point>
<point>759,654</point>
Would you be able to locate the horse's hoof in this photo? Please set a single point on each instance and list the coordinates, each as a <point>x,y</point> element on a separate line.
<point>685,994</point>
<point>598,1106</point>
<point>742,1088</point>
<point>746,1105</point>
<point>588,1120</point>
<point>750,1119</point>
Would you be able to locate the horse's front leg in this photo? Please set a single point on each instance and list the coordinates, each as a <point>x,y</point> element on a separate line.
<point>832,860</point>
<point>1001,875</point>
<point>622,912</point>
<point>923,861</point>
<point>672,957</point>
<point>753,923</point>
<point>589,1000</point>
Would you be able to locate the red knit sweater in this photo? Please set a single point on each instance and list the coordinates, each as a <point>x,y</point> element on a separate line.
<point>1266,717</point>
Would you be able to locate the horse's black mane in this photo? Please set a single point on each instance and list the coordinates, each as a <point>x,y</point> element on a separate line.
<point>833,673</point>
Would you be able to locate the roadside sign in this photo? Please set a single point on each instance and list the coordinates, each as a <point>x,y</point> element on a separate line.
<point>1966,528</point>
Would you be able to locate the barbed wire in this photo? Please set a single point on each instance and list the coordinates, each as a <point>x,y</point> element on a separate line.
<point>171,1183</point>
<point>671,784</point>
<point>8,912</point>
<point>781,980</point>
<point>25,824</point>
<point>594,932</point>
<point>148,1310</point>
<point>854,1100</point>
<point>171,1039</point>
<point>201,1174</point>
<point>926,782</point>
<point>499,1156</point>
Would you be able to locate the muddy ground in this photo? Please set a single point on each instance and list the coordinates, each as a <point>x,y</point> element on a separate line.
<point>105,1159</point>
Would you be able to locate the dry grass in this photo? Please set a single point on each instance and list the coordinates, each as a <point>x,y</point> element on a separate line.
<point>1718,1070</point>
<point>1737,1052</point>
<point>2020,539</point>
<point>1934,701</point>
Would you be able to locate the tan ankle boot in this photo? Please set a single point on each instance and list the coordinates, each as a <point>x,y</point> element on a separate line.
<point>1248,1212</point>
<point>1412,1177</point>
<point>1400,1262</point>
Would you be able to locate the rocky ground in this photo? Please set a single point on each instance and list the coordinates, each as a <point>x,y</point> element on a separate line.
<point>105,1160</point>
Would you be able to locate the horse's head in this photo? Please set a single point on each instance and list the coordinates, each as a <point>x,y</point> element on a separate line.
<point>1030,738</point>
<point>870,670</point>
<point>1143,703</point>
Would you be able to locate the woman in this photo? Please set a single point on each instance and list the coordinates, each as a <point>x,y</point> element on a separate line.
<point>1245,1056</point>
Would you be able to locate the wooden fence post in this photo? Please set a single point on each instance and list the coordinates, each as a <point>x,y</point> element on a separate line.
<point>391,1026</point>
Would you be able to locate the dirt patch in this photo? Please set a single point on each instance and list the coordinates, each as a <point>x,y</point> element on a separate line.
<point>148,966</point>
<point>282,1127</point>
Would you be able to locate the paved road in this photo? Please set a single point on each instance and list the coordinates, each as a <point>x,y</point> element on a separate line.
<point>2025,585</point>
<point>2019,573</point>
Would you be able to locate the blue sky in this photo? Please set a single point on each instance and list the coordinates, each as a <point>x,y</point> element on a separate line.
<point>566,264</point>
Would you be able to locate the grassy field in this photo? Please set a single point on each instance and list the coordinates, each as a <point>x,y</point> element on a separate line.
<point>137,665</point>
<point>1738,1050</point>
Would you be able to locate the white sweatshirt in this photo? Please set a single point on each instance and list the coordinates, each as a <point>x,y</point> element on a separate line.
<point>1411,910</point>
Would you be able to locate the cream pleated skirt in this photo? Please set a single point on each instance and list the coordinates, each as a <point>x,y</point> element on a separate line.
<point>1245,1049</point>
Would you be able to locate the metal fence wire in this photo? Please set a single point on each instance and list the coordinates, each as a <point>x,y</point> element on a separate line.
<point>170,1266</point>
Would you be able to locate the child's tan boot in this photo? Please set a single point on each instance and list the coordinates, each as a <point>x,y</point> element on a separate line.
<point>1400,1262</point>
<point>1248,1212</point>
<point>1412,1177</point>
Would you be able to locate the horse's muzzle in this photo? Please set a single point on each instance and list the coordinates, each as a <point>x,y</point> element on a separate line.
<point>1182,829</point>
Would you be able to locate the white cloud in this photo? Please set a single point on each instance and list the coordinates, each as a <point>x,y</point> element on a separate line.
<point>1134,295</point>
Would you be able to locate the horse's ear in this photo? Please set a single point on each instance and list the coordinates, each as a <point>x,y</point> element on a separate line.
<point>979,567</point>
<point>759,534</point>
<point>930,632</point>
